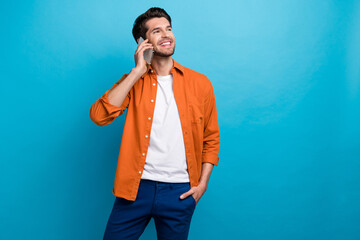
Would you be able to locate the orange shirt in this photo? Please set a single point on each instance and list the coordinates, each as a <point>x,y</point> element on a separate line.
<point>195,99</point>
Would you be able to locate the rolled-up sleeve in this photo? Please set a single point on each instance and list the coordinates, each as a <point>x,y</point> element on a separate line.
<point>211,140</point>
<point>102,112</point>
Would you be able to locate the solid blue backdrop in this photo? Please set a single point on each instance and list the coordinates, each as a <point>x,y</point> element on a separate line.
<point>286,76</point>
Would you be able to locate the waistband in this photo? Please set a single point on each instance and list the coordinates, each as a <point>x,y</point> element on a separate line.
<point>152,182</point>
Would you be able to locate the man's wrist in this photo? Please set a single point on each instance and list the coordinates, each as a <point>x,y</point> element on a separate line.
<point>202,185</point>
<point>137,72</point>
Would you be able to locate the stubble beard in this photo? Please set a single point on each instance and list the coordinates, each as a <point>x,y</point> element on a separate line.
<point>161,54</point>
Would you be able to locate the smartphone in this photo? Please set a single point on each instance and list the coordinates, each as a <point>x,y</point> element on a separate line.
<point>148,53</point>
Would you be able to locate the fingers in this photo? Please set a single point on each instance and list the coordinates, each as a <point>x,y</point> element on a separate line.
<point>139,53</point>
<point>188,193</point>
<point>140,62</point>
<point>143,46</point>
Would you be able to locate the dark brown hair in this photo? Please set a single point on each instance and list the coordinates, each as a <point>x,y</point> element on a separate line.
<point>140,29</point>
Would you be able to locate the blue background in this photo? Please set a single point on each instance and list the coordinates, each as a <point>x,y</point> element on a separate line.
<point>286,76</point>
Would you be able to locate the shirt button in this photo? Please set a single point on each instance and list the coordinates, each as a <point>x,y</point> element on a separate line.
<point>146,136</point>
<point>154,84</point>
<point>149,118</point>
<point>152,100</point>
<point>139,172</point>
<point>151,71</point>
<point>143,154</point>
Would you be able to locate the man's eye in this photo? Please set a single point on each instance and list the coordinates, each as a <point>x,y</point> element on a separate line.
<point>156,31</point>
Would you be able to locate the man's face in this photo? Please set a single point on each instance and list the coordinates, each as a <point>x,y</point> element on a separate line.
<point>160,35</point>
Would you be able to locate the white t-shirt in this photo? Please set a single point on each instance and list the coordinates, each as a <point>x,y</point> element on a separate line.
<point>166,159</point>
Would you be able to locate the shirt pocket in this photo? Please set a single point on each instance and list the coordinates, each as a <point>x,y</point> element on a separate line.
<point>196,116</point>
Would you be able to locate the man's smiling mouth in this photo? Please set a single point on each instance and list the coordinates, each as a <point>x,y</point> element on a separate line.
<point>165,44</point>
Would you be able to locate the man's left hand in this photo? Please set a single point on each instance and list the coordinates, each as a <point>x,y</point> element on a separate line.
<point>196,192</point>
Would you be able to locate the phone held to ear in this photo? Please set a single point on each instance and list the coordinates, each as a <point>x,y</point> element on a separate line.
<point>148,53</point>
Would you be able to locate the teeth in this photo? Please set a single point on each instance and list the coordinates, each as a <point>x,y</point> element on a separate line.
<point>167,43</point>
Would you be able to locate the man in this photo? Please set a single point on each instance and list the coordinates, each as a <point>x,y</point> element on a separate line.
<point>170,141</point>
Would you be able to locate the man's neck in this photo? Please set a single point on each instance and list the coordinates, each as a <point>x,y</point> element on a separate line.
<point>162,65</point>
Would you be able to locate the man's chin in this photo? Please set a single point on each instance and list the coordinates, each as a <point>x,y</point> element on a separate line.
<point>164,54</point>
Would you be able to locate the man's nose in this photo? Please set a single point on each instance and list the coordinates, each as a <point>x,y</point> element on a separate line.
<point>165,33</point>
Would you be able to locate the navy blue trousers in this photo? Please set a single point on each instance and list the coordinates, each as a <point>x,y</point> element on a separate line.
<point>159,200</point>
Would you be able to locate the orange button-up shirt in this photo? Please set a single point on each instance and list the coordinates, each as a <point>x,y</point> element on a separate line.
<point>195,99</point>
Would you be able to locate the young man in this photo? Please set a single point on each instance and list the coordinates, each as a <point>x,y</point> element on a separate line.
<point>170,141</point>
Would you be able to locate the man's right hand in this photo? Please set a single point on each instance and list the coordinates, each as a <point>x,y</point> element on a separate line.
<point>118,93</point>
<point>140,63</point>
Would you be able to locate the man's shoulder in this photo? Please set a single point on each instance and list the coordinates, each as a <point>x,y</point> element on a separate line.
<point>193,72</point>
<point>199,77</point>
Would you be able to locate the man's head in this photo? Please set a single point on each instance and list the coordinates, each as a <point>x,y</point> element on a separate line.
<point>155,25</point>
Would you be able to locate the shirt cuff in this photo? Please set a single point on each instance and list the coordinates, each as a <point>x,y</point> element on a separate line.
<point>211,159</point>
<point>110,108</point>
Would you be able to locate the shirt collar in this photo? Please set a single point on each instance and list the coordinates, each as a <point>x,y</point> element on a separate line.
<point>176,65</point>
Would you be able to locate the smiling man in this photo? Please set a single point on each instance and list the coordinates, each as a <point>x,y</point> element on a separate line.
<point>170,141</point>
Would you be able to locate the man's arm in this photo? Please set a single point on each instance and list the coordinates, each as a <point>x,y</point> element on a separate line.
<point>104,110</point>
<point>117,95</point>
<point>206,170</point>
<point>114,101</point>
<point>211,140</point>
<point>211,145</point>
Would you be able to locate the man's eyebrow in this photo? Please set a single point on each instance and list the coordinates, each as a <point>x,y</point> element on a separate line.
<point>159,28</point>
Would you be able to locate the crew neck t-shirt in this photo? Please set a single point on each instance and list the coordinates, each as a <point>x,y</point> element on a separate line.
<point>166,158</point>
